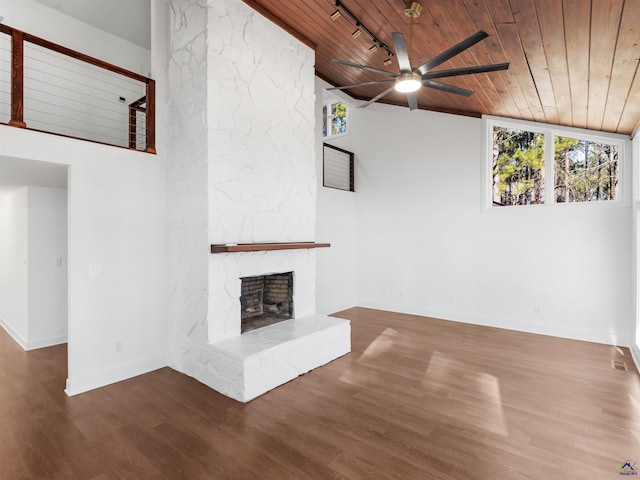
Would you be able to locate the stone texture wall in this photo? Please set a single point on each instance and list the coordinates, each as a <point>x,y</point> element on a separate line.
<point>262,183</point>
<point>261,98</point>
<point>187,182</point>
<point>241,169</point>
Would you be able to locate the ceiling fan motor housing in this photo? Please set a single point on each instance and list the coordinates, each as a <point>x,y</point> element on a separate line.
<point>412,9</point>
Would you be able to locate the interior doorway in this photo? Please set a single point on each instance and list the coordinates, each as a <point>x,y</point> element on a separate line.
<point>33,252</point>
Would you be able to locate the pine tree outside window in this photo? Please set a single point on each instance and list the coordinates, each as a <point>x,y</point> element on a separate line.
<point>585,171</point>
<point>518,167</point>
<point>537,164</point>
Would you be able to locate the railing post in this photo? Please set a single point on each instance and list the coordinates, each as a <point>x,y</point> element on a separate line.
<point>132,126</point>
<point>151,116</point>
<point>17,80</point>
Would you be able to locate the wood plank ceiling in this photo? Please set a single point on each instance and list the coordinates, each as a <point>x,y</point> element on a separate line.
<point>573,62</point>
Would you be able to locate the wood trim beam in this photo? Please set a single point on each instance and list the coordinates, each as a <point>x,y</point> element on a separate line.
<point>260,247</point>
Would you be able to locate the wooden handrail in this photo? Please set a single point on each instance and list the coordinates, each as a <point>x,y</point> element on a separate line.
<point>17,78</point>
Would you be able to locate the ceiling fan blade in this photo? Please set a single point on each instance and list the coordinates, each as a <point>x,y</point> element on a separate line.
<point>466,71</point>
<point>365,84</point>
<point>446,88</point>
<point>364,67</point>
<point>453,51</point>
<point>378,97</point>
<point>413,100</point>
<point>401,52</point>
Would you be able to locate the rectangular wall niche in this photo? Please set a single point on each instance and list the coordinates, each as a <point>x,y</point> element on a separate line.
<point>265,300</point>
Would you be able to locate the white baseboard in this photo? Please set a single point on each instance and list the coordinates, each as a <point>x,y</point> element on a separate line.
<point>13,334</point>
<point>92,380</point>
<point>505,323</point>
<point>46,342</point>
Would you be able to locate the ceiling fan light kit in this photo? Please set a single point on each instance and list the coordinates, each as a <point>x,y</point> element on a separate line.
<point>408,82</point>
<point>411,79</point>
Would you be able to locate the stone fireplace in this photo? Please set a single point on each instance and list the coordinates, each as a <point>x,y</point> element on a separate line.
<point>265,300</point>
<point>242,171</point>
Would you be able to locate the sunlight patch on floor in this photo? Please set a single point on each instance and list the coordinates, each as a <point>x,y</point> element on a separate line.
<point>480,392</point>
<point>383,343</point>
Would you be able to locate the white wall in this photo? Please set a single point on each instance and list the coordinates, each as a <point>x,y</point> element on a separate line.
<point>37,19</point>
<point>14,312</point>
<point>47,285</point>
<point>117,208</point>
<point>426,247</point>
<point>336,224</point>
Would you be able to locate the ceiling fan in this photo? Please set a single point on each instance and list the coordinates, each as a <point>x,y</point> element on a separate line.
<point>410,79</point>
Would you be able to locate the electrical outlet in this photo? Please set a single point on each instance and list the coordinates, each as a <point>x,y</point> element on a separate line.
<point>57,261</point>
<point>95,269</point>
<point>536,309</point>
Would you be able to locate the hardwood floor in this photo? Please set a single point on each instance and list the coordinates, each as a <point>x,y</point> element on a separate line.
<point>416,399</point>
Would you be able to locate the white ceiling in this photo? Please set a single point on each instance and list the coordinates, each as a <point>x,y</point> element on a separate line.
<point>15,173</point>
<point>127,19</point>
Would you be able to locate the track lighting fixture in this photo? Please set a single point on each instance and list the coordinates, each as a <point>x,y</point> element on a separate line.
<point>360,28</point>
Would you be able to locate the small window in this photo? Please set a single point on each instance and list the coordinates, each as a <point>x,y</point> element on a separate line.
<point>585,171</point>
<point>335,119</point>
<point>518,167</point>
<point>338,168</point>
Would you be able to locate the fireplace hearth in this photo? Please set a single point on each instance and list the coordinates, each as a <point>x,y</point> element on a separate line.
<point>265,300</point>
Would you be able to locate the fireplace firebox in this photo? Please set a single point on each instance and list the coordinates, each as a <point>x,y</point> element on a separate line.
<point>265,300</point>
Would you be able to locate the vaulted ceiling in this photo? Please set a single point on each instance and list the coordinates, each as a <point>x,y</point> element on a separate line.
<point>573,62</point>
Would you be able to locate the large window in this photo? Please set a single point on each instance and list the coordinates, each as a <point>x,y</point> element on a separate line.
<point>335,119</point>
<point>545,165</point>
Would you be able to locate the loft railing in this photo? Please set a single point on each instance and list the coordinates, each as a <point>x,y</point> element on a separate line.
<point>50,88</point>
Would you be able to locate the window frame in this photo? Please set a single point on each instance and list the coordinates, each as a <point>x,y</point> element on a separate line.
<point>327,103</point>
<point>352,173</point>
<point>550,132</point>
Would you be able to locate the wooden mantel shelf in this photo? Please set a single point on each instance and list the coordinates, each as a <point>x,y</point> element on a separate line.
<point>258,247</point>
